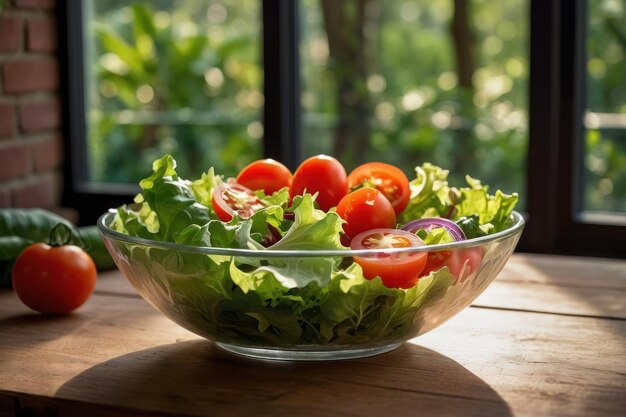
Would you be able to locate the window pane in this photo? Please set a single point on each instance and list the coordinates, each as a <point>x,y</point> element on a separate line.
<point>604,176</point>
<point>408,81</point>
<point>180,77</point>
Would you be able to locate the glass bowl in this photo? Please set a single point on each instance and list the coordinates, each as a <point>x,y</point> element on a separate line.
<point>248,301</point>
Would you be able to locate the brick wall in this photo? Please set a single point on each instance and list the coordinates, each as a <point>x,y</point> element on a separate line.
<point>31,146</point>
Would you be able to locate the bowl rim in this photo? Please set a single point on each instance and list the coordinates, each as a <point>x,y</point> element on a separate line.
<point>106,231</point>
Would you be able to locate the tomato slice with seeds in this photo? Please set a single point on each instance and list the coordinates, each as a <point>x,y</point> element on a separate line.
<point>231,198</point>
<point>397,270</point>
<point>387,179</point>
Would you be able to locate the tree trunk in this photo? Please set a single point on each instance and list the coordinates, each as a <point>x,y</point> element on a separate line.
<point>463,40</point>
<point>346,23</point>
<point>464,45</point>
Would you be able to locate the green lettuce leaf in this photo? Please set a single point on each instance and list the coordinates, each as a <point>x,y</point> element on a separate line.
<point>312,229</point>
<point>429,194</point>
<point>166,206</point>
<point>432,196</point>
<point>493,211</point>
<point>203,187</point>
<point>435,236</point>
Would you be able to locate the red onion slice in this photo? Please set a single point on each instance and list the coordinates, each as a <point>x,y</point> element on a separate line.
<point>430,223</point>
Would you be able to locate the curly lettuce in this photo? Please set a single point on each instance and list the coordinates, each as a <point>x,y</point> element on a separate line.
<point>472,207</point>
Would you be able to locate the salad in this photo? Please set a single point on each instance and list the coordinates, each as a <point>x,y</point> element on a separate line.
<point>285,301</point>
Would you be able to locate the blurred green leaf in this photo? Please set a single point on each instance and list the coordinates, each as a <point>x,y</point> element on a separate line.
<point>143,22</point>
<point>113,43</point>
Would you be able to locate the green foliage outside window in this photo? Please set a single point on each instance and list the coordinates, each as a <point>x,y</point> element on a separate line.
<point>166,82</point>
<point>605,153</point>
<point>402,81</point>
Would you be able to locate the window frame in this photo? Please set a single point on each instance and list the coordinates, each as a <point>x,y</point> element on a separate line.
<point>556,132</point>
<point>557,101</point>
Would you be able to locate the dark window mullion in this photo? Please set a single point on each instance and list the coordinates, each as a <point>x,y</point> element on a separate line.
<point>281,81</point>
<point>571,102</point>
<point>542,164</point>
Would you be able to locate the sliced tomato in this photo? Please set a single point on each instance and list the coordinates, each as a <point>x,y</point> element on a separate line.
<point>365,209</point>
<point>265,174</point>
<point>231,198</point>
<point>401,270</point>
<point>387,179</point>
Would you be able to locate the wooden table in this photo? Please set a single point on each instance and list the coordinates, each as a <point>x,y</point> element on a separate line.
<point>547,338</point>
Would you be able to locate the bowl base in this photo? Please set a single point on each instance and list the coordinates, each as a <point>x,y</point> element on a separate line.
<point>307,355</point>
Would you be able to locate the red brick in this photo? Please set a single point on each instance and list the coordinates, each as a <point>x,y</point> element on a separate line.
<point>39,115</point>
<point>26,75</point>
<point>7,119</point>
<point>35,4</point>
<point>5,197</point>
<point>40,191</point>
<point>48,153</point>
<point>15,160</point>
<point>41,34</point>
<point>10,33</point>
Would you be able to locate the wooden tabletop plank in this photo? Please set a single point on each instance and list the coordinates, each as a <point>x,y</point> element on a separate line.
<point>560,285</point>
<point>567,271</point>
<point>117,353</point>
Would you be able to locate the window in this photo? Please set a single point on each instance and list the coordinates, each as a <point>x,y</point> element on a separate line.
<point>418,80</point>
<point>500,91</point>
<point>170,77</point>
<point>603,187</point>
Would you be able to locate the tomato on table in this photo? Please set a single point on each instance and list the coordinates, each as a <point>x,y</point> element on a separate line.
<point>387,179</point>
<point>265,174</point>
<point>400,270</point>
<point>230,198</point>
<point>54,279</point>
<point>365,209</point>
<point>323,175</point>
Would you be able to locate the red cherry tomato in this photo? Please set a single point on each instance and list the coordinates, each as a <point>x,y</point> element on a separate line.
<point>436,260</point>
<point>365,209</point>
<point>387,179</point>
<point>323,175</point>
<point>464,262</point>
<point>400,270</point>
<point>265,174</point>
<point>461,262</point>
<point>231,198</point>
<point>54,279</point>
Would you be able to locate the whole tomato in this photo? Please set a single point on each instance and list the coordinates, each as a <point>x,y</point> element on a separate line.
<point>265,174</point>
<point>323,175</point>
<point>462,262</point>
<point>54,279</point>
<point>365,209</point>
